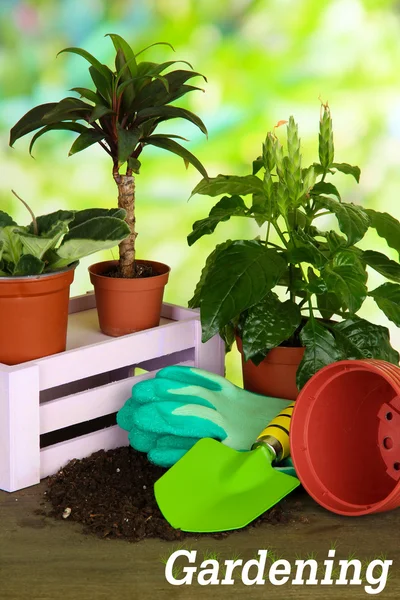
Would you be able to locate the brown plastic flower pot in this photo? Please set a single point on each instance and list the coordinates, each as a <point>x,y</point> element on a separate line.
<point>34,315</point>
<point>276,375</point>
<point>128,305</point>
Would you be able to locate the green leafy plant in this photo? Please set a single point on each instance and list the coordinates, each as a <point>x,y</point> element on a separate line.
<point>324,272</point>
<point>57,240</point>
<point>121,114</point>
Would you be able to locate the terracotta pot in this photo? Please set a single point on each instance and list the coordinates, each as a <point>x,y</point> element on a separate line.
<point>344,437</point>
<point>128,305</point>
<point>34,315</point>
<point>276,375</point>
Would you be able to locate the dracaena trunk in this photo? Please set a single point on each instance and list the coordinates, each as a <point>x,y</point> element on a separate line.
<point>126,200</point>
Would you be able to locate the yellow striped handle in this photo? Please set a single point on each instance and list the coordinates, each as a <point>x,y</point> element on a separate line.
<point>276,434</point>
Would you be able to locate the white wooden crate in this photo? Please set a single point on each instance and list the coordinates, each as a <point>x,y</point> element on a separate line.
<point>91,379</point>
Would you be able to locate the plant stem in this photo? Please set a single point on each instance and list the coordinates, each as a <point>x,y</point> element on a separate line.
<point>279,232</point>
<point>268,230</point>
<point>34,222</point>
<point>126,200</point>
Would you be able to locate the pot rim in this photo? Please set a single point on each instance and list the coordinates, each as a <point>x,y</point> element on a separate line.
<point>139,260</point>
<point>40,275</point>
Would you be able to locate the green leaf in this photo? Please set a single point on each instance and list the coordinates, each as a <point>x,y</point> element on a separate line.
<point>359,339</point>
<point>324,187</point>
<point>88,94</point>
<point>240,278</point>
<point>5,219</point>
<point>86,139</point>
<point>195,301</point>
<point>382,264</point>
<point>335,241</point>
<point>228,334</point>
<point>155,44</point>
<point>127,141</point>
<point>28,265</point>
<point>103,84</point>
<point>229,184</point>
<point>267,325</point>
<point>134,164</point>
<point>90,236</point>
<point>175,148</point>
<point>345,276</point>
<point>125,76</point>
<point>257,165</point>
<point>121,44</point>
<point>68,109</point>
<point>12,248</point>
<point>32,120</point>
<point>386,227</point>
<point>81,216</point>
<point>316,285</point>
<point>38,245</point>
<point>320,350</point>
<point>348,170</point>
<point>387,297</point>
<point>164,113</point>
<point>303,248</point>
<point>328,304</point>
<point>46,222</point>
<point>353,220</point>
<point>100,111</point>
<point>103,69</point>
<point>77,127</point>
<point>226,208</point>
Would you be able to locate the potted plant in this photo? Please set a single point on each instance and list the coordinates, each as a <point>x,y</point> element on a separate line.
<point>37,264</point>
<point>286,337</point>
<point>121,114</point>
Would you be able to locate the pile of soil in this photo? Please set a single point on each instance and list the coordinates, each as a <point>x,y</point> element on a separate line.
<point>111,494</point>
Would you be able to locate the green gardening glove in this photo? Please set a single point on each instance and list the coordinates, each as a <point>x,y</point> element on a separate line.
<point>168,414</point>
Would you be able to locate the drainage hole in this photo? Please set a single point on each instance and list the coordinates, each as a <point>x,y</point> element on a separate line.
<point>388,443</point>
<point>389,416</point>
<point>396,466</point>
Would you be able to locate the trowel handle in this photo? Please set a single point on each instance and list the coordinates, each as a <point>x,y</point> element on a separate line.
<point>276,434</point>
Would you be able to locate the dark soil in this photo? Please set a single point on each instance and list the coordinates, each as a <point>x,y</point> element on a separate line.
<point>111,494</point>
<point>140,270</point>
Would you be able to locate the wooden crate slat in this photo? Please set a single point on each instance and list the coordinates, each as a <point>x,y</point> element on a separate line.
<point>88,405</point>
<point>55,457</point>
<point>88,381</point>
<point>19,427</point>
<point>114,353</point>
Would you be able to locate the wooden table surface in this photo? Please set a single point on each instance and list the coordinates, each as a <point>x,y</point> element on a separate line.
<point>44,559</point>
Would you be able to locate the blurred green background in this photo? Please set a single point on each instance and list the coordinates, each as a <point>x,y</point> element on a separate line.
<point>264,60</point>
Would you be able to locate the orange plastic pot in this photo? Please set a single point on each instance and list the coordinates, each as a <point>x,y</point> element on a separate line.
<point>276,375</point>
<point>34,315</point>
<point>345,437</point>
<point>128,305</point>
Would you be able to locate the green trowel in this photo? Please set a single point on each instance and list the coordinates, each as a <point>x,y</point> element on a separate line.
<point>215,488</point>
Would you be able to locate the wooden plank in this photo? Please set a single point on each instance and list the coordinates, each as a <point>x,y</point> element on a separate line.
<point>55,457</point>
<point>19,427</point>
<point>115,353</point>
<point>84,406</point>
<point>84,330</point>
<point>178,313</point>
<point>80,303</point>
<point>211,355</point>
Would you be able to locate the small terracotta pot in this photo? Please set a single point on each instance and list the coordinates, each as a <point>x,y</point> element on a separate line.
<point>128,305</point>
<point>34,315</point>
<point>276,375</point>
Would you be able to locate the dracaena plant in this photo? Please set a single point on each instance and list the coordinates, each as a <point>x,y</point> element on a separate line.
<point>320,275</point>
<point>121,114</point>
<point>57,240</point>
